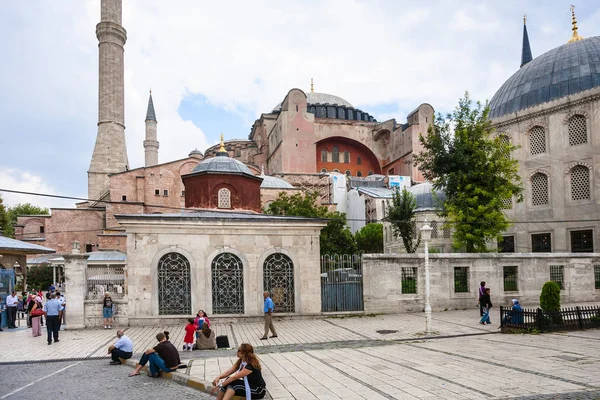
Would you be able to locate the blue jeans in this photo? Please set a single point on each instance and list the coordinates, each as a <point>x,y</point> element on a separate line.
<point>156,363</point>
<point>486,316</point>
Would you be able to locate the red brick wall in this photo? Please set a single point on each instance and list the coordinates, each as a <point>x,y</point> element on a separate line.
<point>112,242</point>
<point>368,160</point>
<point>201,191</point>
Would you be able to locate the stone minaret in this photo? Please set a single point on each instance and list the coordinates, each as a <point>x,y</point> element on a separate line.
<point>151,142</point>
<point>110,152</point>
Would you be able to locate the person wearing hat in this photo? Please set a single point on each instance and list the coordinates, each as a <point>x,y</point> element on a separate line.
<point>515,316</point>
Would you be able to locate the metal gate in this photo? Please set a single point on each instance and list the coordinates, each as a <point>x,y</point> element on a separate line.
<point>341,283</point>
<point>7,284</point>
<point>227,284</point>
<point>278,272</point>
<point>174,295</point>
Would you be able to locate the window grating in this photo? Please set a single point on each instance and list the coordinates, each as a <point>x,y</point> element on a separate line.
<point>446,229</point>
<point>323,155</point>
<point>507,204</point>
<point>580,183</point>
<point>539,189</point>
<point>346,157</point>
<point>537,140</point>
<point>557,275</point>
<point>224,198</point>
<point>358,160</point>
<point>507,244</point>
<point>582,241</point>
<point>461,279</point>
<point>434,230</point>
<point>577,130</point>
<point>505,140</point>
<point>597,276</point>
<point>335,154</point>
<point>409,280</point>
<point>510,279</point>
<point>540,243</point>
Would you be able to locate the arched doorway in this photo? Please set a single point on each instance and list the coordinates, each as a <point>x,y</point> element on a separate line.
<point>174,294</point>
<point>278,280</point>
<point>227,273</point>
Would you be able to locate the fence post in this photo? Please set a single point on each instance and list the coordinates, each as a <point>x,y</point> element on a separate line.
<point>579,318</point>
<point>540,319</point>
<point>501,316</point>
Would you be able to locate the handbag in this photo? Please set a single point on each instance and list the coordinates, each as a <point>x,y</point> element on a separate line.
<point>38,312</point>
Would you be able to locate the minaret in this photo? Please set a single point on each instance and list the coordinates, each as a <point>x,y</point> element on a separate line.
<point>151,142</point>
<point>110,152</point>
<point>526,52</point>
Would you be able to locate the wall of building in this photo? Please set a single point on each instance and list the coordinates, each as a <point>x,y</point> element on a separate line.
<point>202,191</point>
<point>356,152</point>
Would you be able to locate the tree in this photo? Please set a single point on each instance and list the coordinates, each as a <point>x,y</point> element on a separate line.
<point>336,238</point>
<point>473,167</point>
<point>550,296</point>
<point>22,209</point>
<point>4,219</point>
<point>370,238</point>
<point>401,214</point>
<point>39,277</point>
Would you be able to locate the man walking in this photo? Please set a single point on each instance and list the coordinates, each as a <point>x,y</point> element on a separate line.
<point>61,300</point>
<point>12,301</point>
<point>52,309</point>
<point>269,307</point>
<point>123,348</point>
<point>481,293</point>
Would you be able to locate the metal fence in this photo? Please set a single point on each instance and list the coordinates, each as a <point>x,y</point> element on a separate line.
<point>105,279</point>
<point>566,319</point>
<point>341,283</point>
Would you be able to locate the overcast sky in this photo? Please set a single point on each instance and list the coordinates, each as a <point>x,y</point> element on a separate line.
<point>215,66</point>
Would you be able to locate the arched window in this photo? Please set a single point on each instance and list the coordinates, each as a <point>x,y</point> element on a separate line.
<point>227,273</point>
<point>224,198</point>
<point>324,155</point>
<point>580,183</point>
<point>346,157</point>
<point>278,280</point>
<point>174,295</point>
<point>359,174</point>
<point>505,140</point>
<point>336,170</point>
<point>335,154</point>
<point>348,173</point>
<point>577,130</point>
<point>539,189</point>
<point>434,229</point>
<point>537,140</point>
<point>359,160</point>
<point>370,173</point>
<point>324,170</point>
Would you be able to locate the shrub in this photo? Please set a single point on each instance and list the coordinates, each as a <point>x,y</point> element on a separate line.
<point>550,297</point>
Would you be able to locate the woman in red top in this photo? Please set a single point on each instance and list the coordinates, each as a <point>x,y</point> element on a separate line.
<point>190,330</point>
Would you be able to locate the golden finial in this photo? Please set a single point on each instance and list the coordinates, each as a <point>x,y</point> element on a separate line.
<point>222,148</point>
<point>524,19</point>
<point>575,37</point>
<point>312,86</point>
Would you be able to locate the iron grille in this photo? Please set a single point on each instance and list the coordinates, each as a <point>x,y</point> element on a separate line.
<point>507,244</point>
<point>510,279</point>
<point>409,280</point>
<point>174,296</point>
<point>278,280</point>
<point>540,243</point>
<point>461,279</point>
<point>557,275</point>
<point>582,241</point>
<point>227,284</point>
<point>105,279</point>
<point>597,276</point>
<point>434,229</point>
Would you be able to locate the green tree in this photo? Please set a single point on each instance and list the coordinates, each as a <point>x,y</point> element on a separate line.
<point>335,238</point>
<point>39,277</point>
<point>22,209</point>
<point>4,219</point>
<point>402,217</point>
<point>550,296</point>
<point>473,167</point>
<point>370,238</point>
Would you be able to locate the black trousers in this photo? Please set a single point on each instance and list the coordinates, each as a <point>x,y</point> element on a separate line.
<point>115,354</point>
<point>12,316</point>
<point>52,325</point>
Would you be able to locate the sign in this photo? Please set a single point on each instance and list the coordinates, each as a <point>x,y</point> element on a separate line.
<point>400,182</point>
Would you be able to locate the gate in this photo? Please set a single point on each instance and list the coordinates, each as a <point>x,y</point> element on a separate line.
<point>174,295</point>
<point>341,283</point>
<point>7,284</point>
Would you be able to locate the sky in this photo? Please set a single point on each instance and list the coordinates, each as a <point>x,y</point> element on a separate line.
<point>215,66</point>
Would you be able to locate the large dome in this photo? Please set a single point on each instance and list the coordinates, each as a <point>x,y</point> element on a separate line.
<point>223,165</point>
<point>320,98</point>
<point>563,71</point>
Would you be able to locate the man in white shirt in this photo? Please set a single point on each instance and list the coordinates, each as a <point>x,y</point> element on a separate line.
<point>2,308</point>
<point>11,309</point>
<point>123,348</point>
<point>61,301</point>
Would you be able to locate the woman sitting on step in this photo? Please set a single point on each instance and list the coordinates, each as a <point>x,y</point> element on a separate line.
<point>244,379</point>
<point>207,340</point>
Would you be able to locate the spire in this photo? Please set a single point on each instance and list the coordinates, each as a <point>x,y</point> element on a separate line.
<point>150,114</point>
<point>526,52</point>
<point>312,86</point>
<point>575,37</point>
<point>222,150</point>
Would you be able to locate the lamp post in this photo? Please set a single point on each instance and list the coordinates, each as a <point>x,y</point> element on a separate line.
<point>426,236</point>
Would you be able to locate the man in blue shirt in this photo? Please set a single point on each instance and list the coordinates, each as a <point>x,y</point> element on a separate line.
<point>52,309</point>
<point>123,348</point>
<point>269,307</point>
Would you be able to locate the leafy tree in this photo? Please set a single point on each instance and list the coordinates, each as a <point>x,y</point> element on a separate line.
<point>463,158</point>
<point>4,219</point>
<point>336,238</point>
<point>39,277</point>
<point>370,238</point>
<point>550,296</point>
<point>22,209</point>
<point>401,214</point>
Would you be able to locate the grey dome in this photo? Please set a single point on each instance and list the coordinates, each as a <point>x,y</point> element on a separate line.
<point>222,164</point>
<point>195,152</point>
<point>563,71</point>
<point>271,182</point>
<point>425,197</point>
<point>320,98</point>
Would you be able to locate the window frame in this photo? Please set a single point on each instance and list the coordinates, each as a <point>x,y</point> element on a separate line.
<point>514,281</point>
<point>581,231</point>
<point>220,198</point>
<point>464,286</point>
<point>539,234</point>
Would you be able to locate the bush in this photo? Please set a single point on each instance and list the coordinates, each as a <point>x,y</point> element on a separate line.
<point>550,297</point>
<point>39,277</point>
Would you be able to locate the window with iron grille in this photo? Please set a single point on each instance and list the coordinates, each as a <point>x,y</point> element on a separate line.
<point>335,154</point>
<point>346,157</point>
<point>539,189</point>
<point>537,140</point>
<point>582,241</point>
<point>461,279</point>
<point>358,160</point>
<point>434,229</point>
<point>597,276</point>
<point>446,229</point>
<point>323,155</point>
<point>557,275</point>
<point>510,279</point>
<point>409,280</point>
<point>580,183</point>
<point>540,243</point>
<point>359,174</point>
<point>577,130</point>
<point>507,204</point>
<point>224,198</point>
<point>506,245</point>
<point>506,142</point>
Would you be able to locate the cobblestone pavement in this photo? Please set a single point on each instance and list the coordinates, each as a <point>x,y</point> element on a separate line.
<point>591,395</point>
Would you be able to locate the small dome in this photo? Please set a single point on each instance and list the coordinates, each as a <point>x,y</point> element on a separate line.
<point>320,98</point>
<point>271,182</point>
<point>428,199</point>
<point>195,153</point>
<point>222,164</point>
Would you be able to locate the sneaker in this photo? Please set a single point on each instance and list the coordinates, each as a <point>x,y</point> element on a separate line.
<point>264,338</point>
<point>273,336</point>
<point>482,323</point>
<point>109,327</point>
<point>115,363</point>
<point>105,327</point>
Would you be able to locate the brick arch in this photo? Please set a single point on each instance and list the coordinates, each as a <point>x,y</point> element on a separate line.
<point>575,164</point>
<point>187,167</point>
<point>541,171</point>
<point>537,123</point>
<point>573,113</point>
<point>369,161</point>
<point>503,133</point>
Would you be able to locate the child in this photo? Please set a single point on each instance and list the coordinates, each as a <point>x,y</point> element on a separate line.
<point>486,302</point>
<point>188,340</point>
<point>201,318</point>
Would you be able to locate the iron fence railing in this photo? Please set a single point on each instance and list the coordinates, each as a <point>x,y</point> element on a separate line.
<point>105,279</point>
<point>341,283</point>
<point>566,319</point>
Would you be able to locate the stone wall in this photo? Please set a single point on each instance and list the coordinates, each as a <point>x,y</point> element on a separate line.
<point>382,275</point>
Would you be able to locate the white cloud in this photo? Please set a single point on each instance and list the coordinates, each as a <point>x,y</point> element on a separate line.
<point>24,181</point>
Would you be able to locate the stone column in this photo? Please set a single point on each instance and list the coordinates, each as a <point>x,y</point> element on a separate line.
<point>75,272</point>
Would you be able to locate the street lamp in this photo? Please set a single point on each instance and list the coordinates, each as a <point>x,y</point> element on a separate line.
<point>426,236</point>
